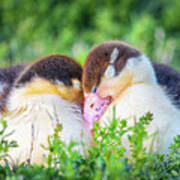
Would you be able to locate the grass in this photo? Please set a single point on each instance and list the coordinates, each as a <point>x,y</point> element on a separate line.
<point>105,160</point>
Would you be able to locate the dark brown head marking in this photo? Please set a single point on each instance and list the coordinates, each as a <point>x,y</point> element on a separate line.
<point>99,58</point>
<point>52,68</point>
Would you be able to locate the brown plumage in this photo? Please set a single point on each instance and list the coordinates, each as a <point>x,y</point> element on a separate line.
<point>48,68</point>
<point>98,59</point>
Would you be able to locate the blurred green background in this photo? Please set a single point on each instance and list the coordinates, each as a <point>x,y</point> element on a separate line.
<point>30,29</point>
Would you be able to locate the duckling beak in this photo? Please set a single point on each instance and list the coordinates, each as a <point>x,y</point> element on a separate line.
<point>94,108</point>
<point>109,90</point>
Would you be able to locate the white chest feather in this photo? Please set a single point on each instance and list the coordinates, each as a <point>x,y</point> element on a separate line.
<point>139,99</point>
<point>33,119</point>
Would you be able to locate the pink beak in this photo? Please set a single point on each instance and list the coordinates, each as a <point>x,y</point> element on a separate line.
<point>94,108</point>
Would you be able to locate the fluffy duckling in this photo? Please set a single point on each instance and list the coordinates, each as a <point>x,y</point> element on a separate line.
<point>117,74</point>
<point>47,93</point>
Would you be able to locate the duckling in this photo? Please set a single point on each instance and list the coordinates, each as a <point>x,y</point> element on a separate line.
<point>47,93</point>
<point>117,74</point>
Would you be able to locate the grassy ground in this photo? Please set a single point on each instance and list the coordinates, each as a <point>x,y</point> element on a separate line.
<point>105,160</point>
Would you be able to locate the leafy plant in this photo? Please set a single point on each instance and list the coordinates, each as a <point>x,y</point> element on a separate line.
<point>4,143</point>
<point>107,159</point>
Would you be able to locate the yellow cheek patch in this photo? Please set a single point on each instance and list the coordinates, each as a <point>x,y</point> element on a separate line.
<point>115,86</point>
<point>42,86</point>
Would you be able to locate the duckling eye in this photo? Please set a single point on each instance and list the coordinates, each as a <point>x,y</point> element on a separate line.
<point>94,89</point>
<point>106,53</point>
